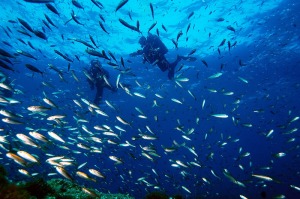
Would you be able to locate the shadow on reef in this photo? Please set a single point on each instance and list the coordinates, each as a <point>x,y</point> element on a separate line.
<point>37,188</point>
<point>157,195</point>
<point>8,190</point>
<point>161,195</point>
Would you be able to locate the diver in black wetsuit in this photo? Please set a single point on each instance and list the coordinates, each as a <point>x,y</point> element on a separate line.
<point>97,75</point>
<point>154,51</point>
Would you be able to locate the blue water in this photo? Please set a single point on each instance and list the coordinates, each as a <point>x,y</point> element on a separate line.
<point>267,36</point>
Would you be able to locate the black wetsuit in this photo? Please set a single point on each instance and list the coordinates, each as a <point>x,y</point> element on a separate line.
<point>154,52</point>
<point>97,74</point>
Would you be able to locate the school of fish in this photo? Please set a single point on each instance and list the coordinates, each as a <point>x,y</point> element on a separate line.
<point>188,136</point>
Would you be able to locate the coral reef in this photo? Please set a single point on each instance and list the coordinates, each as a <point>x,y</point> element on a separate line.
<point>38,188</point>
<point>51,189</point>
<point>68,190</point>
<point>3,180</point>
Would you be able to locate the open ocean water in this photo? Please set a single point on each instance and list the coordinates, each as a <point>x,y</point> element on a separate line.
<point>227,125</point>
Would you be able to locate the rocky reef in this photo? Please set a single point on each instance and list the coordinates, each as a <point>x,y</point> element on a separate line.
<point>51,189</point>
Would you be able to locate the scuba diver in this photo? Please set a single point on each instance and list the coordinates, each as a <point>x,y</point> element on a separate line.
<point>98,76</point>
<point>154,51</point>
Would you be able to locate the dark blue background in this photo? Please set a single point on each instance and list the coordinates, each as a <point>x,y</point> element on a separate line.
<point>271,55</point>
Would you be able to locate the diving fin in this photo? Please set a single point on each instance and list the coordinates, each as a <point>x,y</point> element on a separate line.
<point>171,73</point>
<point>190,59</point>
